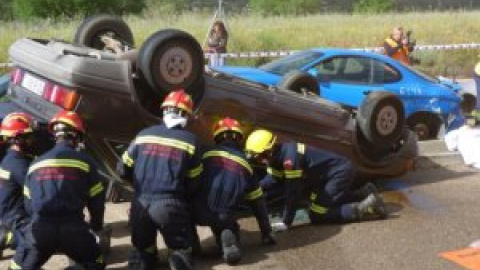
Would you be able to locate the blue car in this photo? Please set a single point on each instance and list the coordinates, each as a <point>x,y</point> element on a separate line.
<point>348,76</point>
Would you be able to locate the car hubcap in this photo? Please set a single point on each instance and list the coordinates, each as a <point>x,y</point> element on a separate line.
<point>175,65</point>
<point>387,120</point>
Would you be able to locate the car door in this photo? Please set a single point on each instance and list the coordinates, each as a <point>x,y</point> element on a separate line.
<point>348,79</point>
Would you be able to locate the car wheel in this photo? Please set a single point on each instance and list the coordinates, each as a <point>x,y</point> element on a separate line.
<point>425,125</point>
<point>300,82</point>
<point>91,30</point>
<point>468,104</point>
<point>381,118</point>
<point>171,59</point>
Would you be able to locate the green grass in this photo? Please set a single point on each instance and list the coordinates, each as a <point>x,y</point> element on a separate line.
<point>254,33</point>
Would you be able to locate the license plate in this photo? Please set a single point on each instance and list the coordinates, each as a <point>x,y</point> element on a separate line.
<point>33,84</point>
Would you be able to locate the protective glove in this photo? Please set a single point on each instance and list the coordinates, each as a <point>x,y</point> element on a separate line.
<point>268,238</point>
<point>279,227</point>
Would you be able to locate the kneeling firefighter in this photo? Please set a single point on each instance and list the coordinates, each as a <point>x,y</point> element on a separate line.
<point>163,163</point>
<point>17,128</point>
<point>59,185</point>
<point>226,182</point>
<point>326,176</point>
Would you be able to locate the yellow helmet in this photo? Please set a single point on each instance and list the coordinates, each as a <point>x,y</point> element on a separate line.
<point>260,141</point>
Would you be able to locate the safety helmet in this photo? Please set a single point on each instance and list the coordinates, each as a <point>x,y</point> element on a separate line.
<point>179,99</point>
<point>69,118</point>
<point>15,124</point>
<point>227,124</point>
<point>259,141</point>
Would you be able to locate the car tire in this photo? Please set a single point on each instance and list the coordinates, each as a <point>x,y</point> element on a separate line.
<point>425,125</point>
<point>300,82</point>
<point>381,118</point>
<point>92,28</point>
<point>468,104</point>
<point>170,60</point>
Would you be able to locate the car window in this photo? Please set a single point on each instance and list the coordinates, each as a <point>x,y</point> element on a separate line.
<point>295,61</point>
<point>384,73</point>
<point>328,69</point>
<point>357,70</point>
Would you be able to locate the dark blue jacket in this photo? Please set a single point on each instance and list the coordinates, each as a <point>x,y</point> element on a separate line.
<point>227,179</point>
<point>162,162</point>
<point>295,163</point>
<point>61,183</point>
<point>13,170</point>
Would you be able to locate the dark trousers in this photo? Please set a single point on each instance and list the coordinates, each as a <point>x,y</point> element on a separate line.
<point>216,220</point>
<point>331,200</point>
<point>170,216</point>
<point>70,237</point>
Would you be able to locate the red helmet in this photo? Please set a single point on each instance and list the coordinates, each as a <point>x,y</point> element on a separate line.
<point>15,124</point>
<point>179,99</point>
<point>69,118</point>
<point>227,124</point>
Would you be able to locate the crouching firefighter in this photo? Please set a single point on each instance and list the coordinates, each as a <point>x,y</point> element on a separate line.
<point>59,185</point>
<point>17,129</point>
<point>226,182</point>
<point>326,176</point>
<point>163,162</point>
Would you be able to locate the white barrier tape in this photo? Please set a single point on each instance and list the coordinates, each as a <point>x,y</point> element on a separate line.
<point>372,49</point>
<point>284,53</point>
<point>6,65</point>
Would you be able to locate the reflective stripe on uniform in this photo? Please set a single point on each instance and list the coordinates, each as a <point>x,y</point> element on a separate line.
<point>26,192</point>
<point>292,174</point>
<point>275,173</point>
<point>96,189</point>
<point>253,195</point>
<point>68,163</point>
<point>4,174</point>
<point>318,209</point>
<point>14,265</point>
<point>227,155</point>
<point>301,148</point>
<point>195,171</point>
<point>127,160</point>
<point>166,142</point>
<point>313,196</point>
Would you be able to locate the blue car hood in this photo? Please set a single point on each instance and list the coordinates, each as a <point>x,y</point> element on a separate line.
<point>251,74</point>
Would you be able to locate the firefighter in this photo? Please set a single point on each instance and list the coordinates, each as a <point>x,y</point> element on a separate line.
<point>17,129</point>
<point>226,182</point>
<point>399,46</point>
<point>59,185</point>
<point>163,163</point>
<point>326,176</point>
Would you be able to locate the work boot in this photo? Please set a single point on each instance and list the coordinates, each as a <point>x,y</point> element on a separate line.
<point>135,262</point>
<point>230,248</point>
<point>367,189</point>
<point>372,206</point>
<point>180,260</point>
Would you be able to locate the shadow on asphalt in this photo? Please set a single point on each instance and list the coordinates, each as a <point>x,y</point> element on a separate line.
<point>253,252</point>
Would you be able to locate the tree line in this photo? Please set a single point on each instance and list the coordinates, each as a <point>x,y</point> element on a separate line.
<point>27,9</point>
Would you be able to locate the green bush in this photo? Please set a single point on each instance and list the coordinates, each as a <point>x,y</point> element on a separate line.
<point>372,6</point>
<point>27,9</point>
<point>285,7</point>
<point>6,10</point>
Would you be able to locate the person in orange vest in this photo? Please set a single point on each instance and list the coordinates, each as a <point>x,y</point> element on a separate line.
<point>399,46</point>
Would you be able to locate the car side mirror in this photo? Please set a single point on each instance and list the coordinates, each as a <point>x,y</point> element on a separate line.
<point>313,72</point>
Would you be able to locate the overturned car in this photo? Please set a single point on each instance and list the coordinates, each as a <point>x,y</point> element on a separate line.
<point>118,90</point>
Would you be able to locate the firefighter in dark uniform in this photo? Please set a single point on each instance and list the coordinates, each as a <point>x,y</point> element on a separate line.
<point>327,177</point>
<point>226,182</point>
<point>163,163</point>
<point>17,129</point>
<point>59,185</point>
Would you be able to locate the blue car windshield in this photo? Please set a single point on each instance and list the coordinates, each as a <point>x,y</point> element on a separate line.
<point>422,75</point>
<point>292,62</point>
